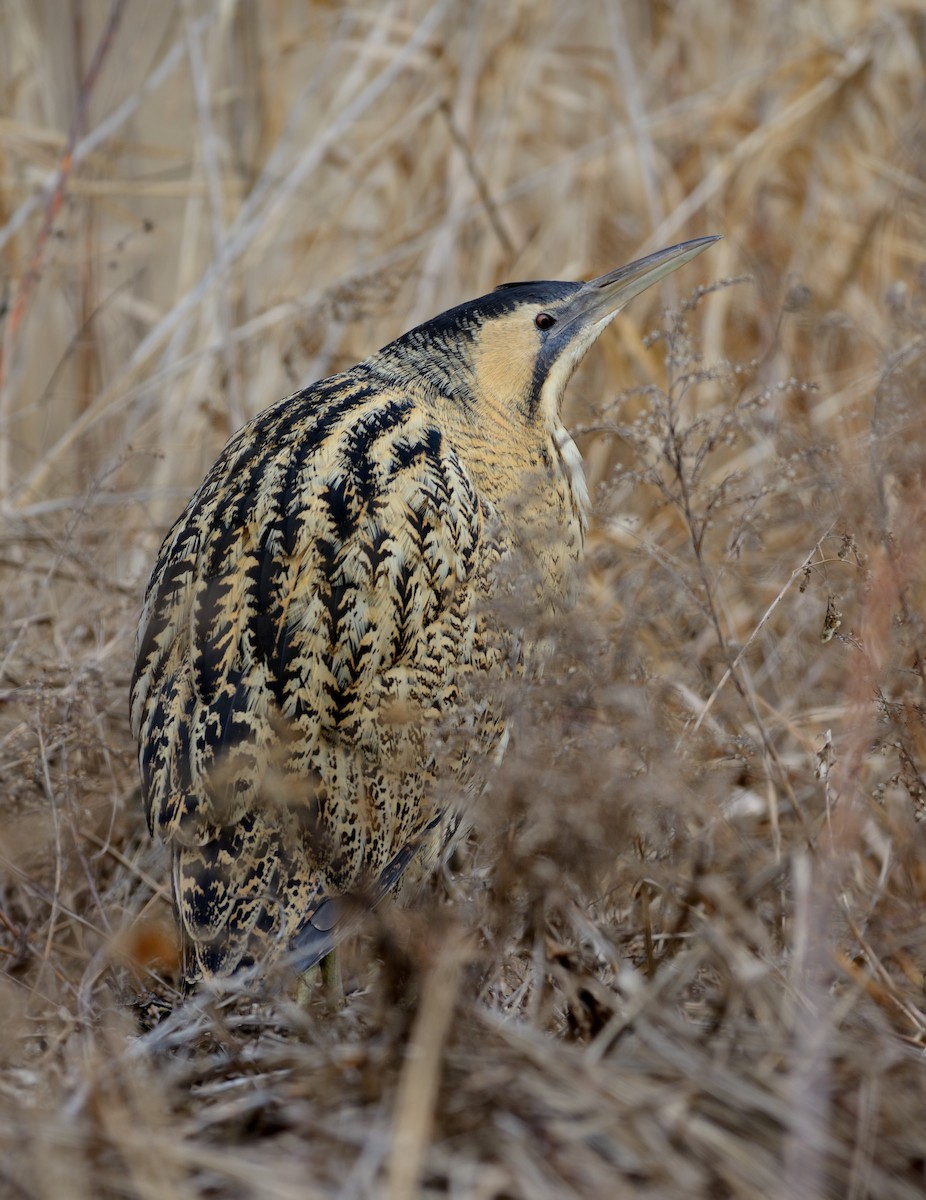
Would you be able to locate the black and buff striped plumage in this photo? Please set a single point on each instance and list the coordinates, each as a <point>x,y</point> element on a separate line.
<point>320,669</point>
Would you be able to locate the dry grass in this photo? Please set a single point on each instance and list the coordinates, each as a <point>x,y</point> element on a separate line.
<point>685,954</point>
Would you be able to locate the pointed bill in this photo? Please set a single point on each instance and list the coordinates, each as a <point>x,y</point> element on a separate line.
<point>601,299</point>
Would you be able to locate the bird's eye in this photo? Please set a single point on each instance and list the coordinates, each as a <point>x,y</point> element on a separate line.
<point>544,320</point>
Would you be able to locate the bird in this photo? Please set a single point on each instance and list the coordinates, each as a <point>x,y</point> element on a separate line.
<point>323,662</point>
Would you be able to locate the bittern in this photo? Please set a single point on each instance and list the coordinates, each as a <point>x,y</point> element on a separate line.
<point>321,672</point>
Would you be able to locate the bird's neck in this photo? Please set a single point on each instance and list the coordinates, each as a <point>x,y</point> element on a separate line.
<point>530,478</point>
<point>525,466</point>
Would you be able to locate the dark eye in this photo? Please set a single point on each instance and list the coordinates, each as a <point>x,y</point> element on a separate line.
<point>544,320</point>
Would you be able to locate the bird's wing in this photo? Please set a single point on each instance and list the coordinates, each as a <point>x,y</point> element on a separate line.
<point>320,572</point>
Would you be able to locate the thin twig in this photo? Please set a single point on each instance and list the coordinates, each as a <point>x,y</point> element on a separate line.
<point>33,271</point>
<point>795,574</point>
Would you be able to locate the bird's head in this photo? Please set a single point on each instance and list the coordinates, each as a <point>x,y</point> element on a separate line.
<point>516,348</point>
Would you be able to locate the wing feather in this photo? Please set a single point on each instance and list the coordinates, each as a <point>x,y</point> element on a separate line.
<point>320,582</point>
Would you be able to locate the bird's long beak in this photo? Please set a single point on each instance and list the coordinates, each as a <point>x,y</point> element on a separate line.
<point>597,301</point>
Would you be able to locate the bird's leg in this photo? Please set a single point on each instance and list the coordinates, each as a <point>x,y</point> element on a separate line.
<point>328,971</point>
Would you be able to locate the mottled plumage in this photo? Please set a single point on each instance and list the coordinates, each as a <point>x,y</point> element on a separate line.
<point>321,664</point>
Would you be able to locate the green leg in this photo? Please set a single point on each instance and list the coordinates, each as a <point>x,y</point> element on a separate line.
<point>330,969</point>
<point>329,972</point>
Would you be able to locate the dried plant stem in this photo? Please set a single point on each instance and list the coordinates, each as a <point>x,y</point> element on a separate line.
<point>420,1078</point>
<point>796,574</point>
<point>32,273</point>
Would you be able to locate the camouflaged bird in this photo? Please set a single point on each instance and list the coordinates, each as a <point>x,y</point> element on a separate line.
<point>320,669</point>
